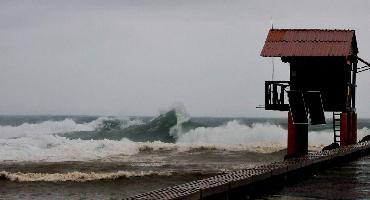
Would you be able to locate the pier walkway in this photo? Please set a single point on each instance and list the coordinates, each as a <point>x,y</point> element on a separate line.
<point>244,184</point>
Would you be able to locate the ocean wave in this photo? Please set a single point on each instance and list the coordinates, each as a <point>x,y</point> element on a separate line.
<point>76,176</point>
<point>259,134</point>
<point>163,127</point>
<point>56,148</point>
<point>53,148</point>
<point>255,136</point>
<point>65,126</point>
<point>261,138</point>
<point>43,142</point>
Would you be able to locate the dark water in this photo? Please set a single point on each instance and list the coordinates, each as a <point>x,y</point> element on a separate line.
<point>346,181</point>
<point>102,189</point>
<point>95,157</point>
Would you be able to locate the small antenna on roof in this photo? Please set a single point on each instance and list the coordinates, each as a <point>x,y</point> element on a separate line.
<point>272,22</point>
<point>272,58</point>
<point>273,69</point>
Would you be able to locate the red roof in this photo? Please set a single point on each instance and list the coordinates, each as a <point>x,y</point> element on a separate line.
<point>309,42</point>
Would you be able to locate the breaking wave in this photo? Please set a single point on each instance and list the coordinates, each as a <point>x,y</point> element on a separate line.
<point>65,126</point>
<point>56,148</point>
<point>256,135</point>
<point>259,134</point>
<point>261,138</point>
<point>172,131</point>
<point>51,148</point>
<point>76,176</point>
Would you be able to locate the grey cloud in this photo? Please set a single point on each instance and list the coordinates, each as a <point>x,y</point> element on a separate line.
<point>136,57</point>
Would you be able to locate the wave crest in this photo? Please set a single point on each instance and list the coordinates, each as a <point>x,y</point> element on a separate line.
<point>67,125</point>
<point>259,134</point>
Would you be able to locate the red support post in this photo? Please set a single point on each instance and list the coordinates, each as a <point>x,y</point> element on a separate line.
<point>297,138</point>
<point>348,128</point>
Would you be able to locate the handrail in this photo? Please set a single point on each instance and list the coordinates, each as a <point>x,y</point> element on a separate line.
<point>363,61</point>
<point>364,68</point>
<point>275,95</point>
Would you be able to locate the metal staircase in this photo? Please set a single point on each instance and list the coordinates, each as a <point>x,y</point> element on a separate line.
<point>336,127</point>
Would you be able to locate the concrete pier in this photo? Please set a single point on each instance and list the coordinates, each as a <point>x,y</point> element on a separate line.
<point>249,183</point>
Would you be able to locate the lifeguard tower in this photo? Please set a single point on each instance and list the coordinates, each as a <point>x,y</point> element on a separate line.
<point>323,68</point>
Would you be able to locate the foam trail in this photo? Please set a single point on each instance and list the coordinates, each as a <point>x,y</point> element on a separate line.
<point>53,148</point>
<point>75,176</point>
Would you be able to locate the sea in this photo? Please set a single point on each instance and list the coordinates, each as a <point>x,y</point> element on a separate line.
<point>113,157</point>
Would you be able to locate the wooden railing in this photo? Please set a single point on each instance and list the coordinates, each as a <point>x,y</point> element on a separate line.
<point>275,95</point>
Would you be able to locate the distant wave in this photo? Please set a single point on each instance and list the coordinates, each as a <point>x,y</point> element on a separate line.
<point>65,126</point>
<point>236,133</point>
<point>75,176</point>
<point>256,135</point>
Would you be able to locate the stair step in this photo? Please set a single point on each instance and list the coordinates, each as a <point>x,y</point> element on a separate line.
<point>336,126</point>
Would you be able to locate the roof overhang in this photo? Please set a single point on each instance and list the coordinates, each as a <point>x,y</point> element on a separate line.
<point>309,43</point>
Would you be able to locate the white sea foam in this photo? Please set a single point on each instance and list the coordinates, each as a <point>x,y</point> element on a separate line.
<point>325,137</point>
<point>260,137</point>
<point>53,148</point>
<point>259,134</point>
<point>58,127</point>
<point>56,148</point>
<point>38,142</point>
<point>75,176</point>
<point>182,116</point>
<point>126,122</point>
<point>47,127</point>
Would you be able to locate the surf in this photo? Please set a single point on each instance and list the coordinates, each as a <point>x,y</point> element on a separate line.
<point>75,176</point>
<point>172,131</point>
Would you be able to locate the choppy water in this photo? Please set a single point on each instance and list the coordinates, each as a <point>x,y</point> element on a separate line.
<point>113,157</point>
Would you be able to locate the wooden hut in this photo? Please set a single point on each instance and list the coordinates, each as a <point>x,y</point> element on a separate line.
<point>323,67</point>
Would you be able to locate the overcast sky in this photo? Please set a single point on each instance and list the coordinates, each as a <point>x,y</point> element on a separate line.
<point>136,57</point>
